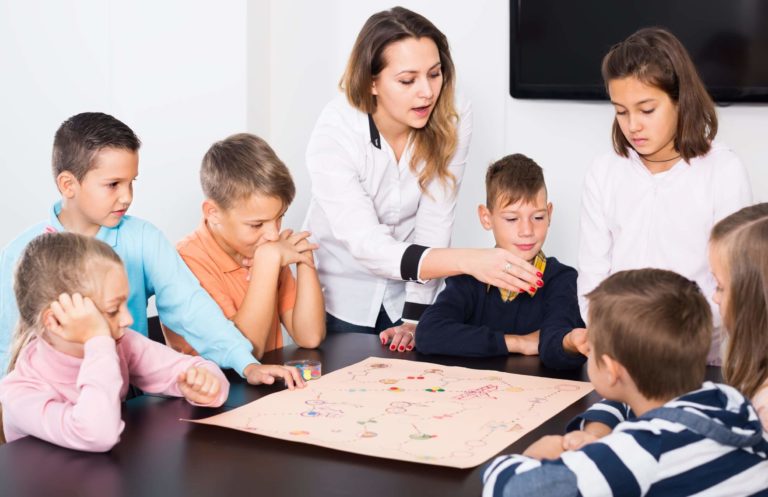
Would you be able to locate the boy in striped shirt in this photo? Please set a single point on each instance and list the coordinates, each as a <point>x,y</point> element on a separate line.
<point>649,336</point>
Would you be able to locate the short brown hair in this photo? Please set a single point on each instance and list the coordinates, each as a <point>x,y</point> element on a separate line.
<point>435,143</point>
<point>82,136</point>
<point>657,58</point>
<point>241,165</point>
<point>655,323</point>
<point>742,239</point>
<point>512,178</point>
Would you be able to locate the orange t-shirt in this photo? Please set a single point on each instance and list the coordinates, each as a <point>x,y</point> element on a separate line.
<point>225,280</point>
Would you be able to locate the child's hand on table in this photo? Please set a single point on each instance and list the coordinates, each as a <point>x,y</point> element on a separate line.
<point>547,447</point>
<point>257,374</point>
<point>402,338</point>
<point>523,344</point>
<point>576,342</point>
<point>577,439</point>
<point>199,385</point>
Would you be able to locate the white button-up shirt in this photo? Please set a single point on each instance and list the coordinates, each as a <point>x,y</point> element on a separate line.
<point>632,219</point>
<point>367,210</point>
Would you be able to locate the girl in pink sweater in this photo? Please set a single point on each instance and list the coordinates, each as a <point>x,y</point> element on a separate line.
<point>73,356</point>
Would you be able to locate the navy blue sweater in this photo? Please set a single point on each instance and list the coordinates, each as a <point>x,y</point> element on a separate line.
<point>467,319</point>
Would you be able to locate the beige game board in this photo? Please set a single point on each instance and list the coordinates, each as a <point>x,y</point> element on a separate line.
<point>408,410</point>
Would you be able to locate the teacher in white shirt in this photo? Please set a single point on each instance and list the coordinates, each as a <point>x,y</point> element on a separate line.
<point>386,160</point>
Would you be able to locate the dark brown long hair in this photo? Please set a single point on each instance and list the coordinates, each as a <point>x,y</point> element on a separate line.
<point>657,58</point>
<point>435,143</point>
<point>741,240</point>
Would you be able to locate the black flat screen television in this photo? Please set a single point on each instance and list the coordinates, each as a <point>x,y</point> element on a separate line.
<point>556,46</point>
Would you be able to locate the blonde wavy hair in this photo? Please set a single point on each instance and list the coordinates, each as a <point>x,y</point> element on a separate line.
<point>435,143</point>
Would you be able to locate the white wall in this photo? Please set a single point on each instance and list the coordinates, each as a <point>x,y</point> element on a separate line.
<point>47,73</point>
<point>186,73</point>
<point>175,71</point>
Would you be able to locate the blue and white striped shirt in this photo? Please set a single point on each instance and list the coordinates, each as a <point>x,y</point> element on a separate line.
<point>708,442</point>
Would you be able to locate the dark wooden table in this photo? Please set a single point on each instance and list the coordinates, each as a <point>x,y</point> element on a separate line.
<point>158,455</point>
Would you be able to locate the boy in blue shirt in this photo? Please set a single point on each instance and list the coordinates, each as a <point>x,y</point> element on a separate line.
<point>649,334</point>
<point>95,161</point>
<point>470,318</point>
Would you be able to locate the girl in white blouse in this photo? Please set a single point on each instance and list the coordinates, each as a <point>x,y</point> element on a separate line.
<point>386,160</point>
<point>653,201</point>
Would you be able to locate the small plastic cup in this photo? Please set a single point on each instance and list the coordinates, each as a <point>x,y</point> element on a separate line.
<point>309,369</point>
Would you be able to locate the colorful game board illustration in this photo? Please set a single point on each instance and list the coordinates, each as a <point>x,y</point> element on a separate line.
<point>408,410</point>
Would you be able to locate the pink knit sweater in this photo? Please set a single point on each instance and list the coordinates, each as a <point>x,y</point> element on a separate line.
<point>75,402</point>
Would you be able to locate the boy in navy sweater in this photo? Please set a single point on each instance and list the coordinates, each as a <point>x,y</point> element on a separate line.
<point>471,318</point>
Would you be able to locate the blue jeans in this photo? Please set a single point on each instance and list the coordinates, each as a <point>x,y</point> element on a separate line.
<point>334,325</point>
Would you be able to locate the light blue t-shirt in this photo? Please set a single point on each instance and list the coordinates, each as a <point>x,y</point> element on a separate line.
<point>154,268</point>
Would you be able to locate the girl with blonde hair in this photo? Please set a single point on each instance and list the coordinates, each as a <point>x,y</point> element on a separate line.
<point>73,354</point>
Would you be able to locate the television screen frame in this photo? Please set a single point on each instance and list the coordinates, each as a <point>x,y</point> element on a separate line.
<point>562,89</point>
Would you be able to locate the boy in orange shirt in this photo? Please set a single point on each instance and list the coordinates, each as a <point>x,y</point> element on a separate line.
<point>241,256</point>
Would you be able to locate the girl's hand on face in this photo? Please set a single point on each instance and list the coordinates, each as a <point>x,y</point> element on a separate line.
<point>76,319</point>
<point>199,385</point>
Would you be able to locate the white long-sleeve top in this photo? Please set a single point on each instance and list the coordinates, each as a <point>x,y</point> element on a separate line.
<point>633,219</point>
<point>370,218</point>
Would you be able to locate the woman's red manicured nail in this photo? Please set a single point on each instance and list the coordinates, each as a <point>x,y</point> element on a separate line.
<point>392,347</point>
<point>402,348</point>
<point>540,283</point>
<point>533,289</point>
<point>538,273</point>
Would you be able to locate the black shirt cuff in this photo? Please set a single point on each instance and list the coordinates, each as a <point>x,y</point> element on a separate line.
<point>409,264</point>
<point>413,311</point>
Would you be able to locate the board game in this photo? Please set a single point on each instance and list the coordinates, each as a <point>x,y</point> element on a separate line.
<point>409,411</point>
